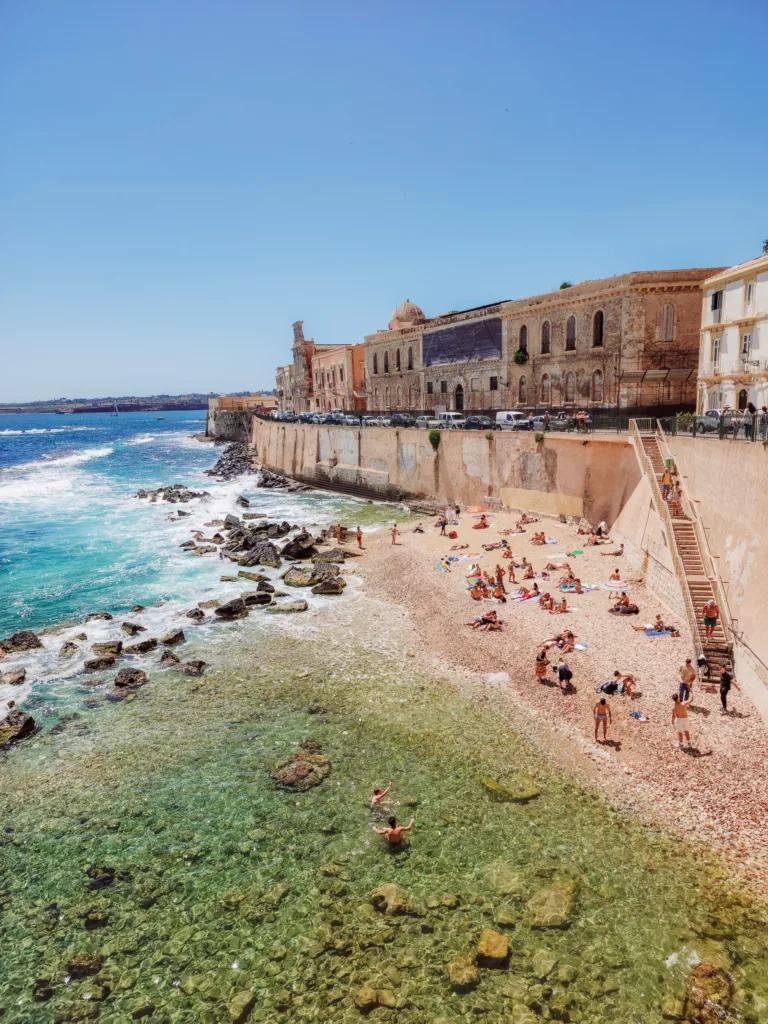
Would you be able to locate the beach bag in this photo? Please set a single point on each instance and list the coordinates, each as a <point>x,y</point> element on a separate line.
<point>453,535</point>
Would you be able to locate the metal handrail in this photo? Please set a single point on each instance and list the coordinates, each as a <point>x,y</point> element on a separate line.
<point>710,569</point>
<point>663,512</point>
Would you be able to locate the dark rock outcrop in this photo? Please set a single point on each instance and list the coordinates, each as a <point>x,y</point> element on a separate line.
<point>138,608</point>
<point>255,597</point>
<point>109,649</point>
<point>197,614</point>
<point>176,636</point>
<point>242,501</point>
<point>330,585</point>
<point>234,609</point>
<point>131,678</point>
<point>15,726</point>
<point>262,553</point>
<point>266,478</point>
<point>193,668</point>
<point>302,546</point>
<point>173,493</point>
<point>94,616</point>
<point>132,628</point>
<point>708,994</point>
<point>234,460</point>
<point>141,647</point>
<point>23,640</point>
<point>169,658</point>
<point>98,664</point>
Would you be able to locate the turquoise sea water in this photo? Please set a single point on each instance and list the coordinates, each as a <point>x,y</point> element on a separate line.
<point>232,899</point>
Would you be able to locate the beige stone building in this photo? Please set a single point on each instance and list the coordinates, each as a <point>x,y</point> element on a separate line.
<point>338,378</point>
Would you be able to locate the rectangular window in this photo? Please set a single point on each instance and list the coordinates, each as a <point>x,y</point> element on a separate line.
<point>473,384</point>
<point>717,301</point>
<point>341,374</point>
<point>430,387</point>
<point>493,384</point>
<point>443,387</point>
<point>750,293</point>
<point>716,352</point>
<point>746,346</point>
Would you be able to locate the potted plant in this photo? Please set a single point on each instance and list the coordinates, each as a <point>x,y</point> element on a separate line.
<point>521,357</point>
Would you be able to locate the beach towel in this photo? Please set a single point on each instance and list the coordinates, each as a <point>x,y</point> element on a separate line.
<point>580,647</point>
<point>658,632</point>
<point>551,540</point>
<point>442,568</point>
<point>570,554</point>
<point>638,715</point>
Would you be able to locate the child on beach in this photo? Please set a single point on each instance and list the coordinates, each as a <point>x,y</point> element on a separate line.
<point>360,538</point>
<point>395,532</point>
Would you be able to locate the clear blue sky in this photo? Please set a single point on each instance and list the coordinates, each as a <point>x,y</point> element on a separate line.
<point>179,181</point>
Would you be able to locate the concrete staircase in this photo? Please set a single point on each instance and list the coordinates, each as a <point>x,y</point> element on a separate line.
<point>697,586</point>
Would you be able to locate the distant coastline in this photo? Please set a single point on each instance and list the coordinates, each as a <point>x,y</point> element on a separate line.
<point>145,405</point>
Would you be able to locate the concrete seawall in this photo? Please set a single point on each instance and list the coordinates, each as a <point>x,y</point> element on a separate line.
<point>590,476</point>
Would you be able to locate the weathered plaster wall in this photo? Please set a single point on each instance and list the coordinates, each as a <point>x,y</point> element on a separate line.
<point>728,479</point>
<point>229,425</point>
<point>590,477</point>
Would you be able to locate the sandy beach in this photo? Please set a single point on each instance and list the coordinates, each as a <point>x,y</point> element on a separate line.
<point>714,791</point>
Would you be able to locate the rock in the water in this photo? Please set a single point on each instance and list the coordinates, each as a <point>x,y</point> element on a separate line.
<point>322,570</point>
<point>708,994</point>
<point>254,597</point>
<point>132,628</point>
<point>81,636</point>
<point>68,649</point>
<point>141,647</point>
<point>15,726</point>
<point>242,501</point>
<point>302,771</point>
<point>240,1006</point>
<point>365,998</point>
<point>301,546</point>
<point>98,615</point>
<point>552,907</point>
<point>83,965</point>
<point>227,579</point>
<point>23,640</point>
<point>169,658</point>
<point>234,609</point>
<point>265,588</point>
<point>330,585</point>
<point>463,974</point>
<point>197,614</point>
<point>208,604</point>
<point>231,522</point>
<point>263,552</point>
<point>504,878</point>
<point>542,964</point>
<point>98,664</point>
<point>492,949</point>
<point>509,793</point>
<point>391,900</point>
<point>204,549</point>
<point>257,577</point>
<point>176,636</point>
<point>130,677</point>
<point>289,606</point>
<point>193,668</point>
<point>110,649</point>
<point>297,578</point>
<point>15,677</point>
<point>137,609</point>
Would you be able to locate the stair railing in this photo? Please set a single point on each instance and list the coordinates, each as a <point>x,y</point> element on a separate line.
<point>710,568</point>
<point>662,510</point>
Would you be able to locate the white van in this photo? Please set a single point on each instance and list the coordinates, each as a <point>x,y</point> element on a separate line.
<point>511,420</point>
<point>451,421</point>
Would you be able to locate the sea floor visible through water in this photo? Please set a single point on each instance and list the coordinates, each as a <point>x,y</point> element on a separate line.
<point>229,895</point>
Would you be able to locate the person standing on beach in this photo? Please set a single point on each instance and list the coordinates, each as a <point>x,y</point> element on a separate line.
<point>680,719</point>
<point>602,713</point>
<point>443,524</point>
<point>338,534</point>
<point>726,681</point>
<point>395,532</point>
<point>511,572</point>
<point>711,612</point>
<point>687,679</point>
<point>360,538</point>
<point>500,578</point>
<point>541,664</point>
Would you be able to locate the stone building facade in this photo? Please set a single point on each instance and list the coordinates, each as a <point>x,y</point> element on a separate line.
<point>338,378</point>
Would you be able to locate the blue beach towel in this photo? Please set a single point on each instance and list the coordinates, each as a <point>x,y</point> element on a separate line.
<point>658,632</point>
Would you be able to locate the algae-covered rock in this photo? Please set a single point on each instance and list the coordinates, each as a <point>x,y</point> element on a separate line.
<point>708,994</point>
<point>23,640</point>
<point>111,648</point>
<point>504,878</point>
<point>132,628</point>
<point>365,998</point>
<point>176,636</point>
<point>95,616</point>
<point>130,677</point>
<point>98,664</point>
<point>297,578</point>
<point>169,658</point>
<point>331,585</point>
<point>15,726</point>
<point>289,606</point>
<point>82,965</point>
<point>522,1014</point>
<point>519,793</point>
<point>15,677</point>
<point>256,597</point>
<point>542,964</point>
<point>492,949</point>
<point>196,667</point>
<point>257,577</point>
<point>68,649</point>
<point>234,609</point>
<point>552,907</point>
<point>302,771</point>
<point>240,1006</point>
<point>463,973</point>
<point>391,900</point>
<point>141,647</point>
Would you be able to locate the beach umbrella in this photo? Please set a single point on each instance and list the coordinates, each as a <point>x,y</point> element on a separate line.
<point>476,509</point>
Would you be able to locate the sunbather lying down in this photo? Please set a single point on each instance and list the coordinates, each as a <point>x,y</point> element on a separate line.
<point>459,547</point>
<point>487,622</point>
<point>517,529</point>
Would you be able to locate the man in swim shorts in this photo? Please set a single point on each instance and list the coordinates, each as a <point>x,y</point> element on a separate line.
<point>393,833</point>
<point>711,612</point>
<point>680,720</point>
<point>602,713</point>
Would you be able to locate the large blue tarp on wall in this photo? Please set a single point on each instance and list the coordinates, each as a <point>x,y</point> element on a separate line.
<point>462,343</point>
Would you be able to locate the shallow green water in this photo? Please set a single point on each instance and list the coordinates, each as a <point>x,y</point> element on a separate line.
<point>225,884</point>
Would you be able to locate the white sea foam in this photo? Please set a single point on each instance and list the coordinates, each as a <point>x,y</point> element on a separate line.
<point>65,460</point>
<point>49,430</point>
<point>141,439</point>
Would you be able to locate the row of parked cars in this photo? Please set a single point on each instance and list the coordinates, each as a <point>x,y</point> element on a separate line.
<point>505,420</point>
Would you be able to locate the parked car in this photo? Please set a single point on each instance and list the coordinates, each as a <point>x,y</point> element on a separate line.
<point>352,421</point>
<point>402,419</point>
<point>383,421</point>
<point>451,421</point>
<point>369,421</point>
<point>480,423</point>
<point>427,422</point>
<point>513,420</point>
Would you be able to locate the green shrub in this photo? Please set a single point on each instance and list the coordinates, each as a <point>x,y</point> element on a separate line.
<point>489,436</point>
<point>434,438</point>
<point>521,357</point>
<point>538,436</point>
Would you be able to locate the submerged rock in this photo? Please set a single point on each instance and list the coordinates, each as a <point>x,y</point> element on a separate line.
<point>23,640</point>
<point>463,974</point>
<point>130,677</point>
<point>506,793</point>
<point>110,649</point>
<point>234,609</point>
<point>208,604</point>
<point>391,900</point>
<point>552,907</point>
<point>193,668</point>
<point>492,949</point>
<point>708,994</point>
<point>176,636</point>
<point>138,608</point>
<point>240,1006</point>
<point>15,677</point>
<point>301,771</point>
<point>289,606</point>
<point>68,649</point>
<point>169,658</point>
<point>83,965</point>
<point>504,878</point>
<point>197,614</point>
<point>242,501</point>
<point>365,998</point>
<point>141,647</point>
<point>15,726</point>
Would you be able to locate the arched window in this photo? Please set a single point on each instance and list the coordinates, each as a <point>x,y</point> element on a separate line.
<point>399,397</point>
<point>546,336</point>
<point>386,362</point>
<point>743,399</point>
<point>598,323</point>
<point>523,344</point>
<point>597,386</point>
<point>386,399</point>
<point>570,335</point>
<point>557,394</point>
<point>667,322</point>
<point>570,388</point>
<point>410,358</point>
<point>376,399</point>
<point>397,360</point>
<point>546,390</point>
<point>376,363</point>
<point>522,391</point>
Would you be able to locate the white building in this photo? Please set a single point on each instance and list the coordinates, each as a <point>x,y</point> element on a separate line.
<point>733,352</point>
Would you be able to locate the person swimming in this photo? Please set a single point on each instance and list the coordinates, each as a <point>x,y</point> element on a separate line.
<point>393,833</point>
<point>378,795</point>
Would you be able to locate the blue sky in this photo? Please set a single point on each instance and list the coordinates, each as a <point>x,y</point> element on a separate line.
<point>180,181</point>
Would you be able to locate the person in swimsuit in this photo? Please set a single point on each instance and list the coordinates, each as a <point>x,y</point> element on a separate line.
<point>378,795</point>
<point>500,578</point>
<point>625,682</point>
<point>529,574</point>
<point>559,608</point>
<point>546,602</point>
<point>338,534</point>
<point>511,573</point>
<point>680,719</point>
<point>726,681</point>
<point>541,664</point>
<point>393,833</point>
<point>360,538</point>
<point>615,575</point>
<point>711,612</point>
<point>395,532</point>
<point>482,524</point>
<point>602,713</point>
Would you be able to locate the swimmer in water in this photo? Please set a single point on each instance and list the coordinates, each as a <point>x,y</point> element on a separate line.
<point>393,833</point>
<point>378,796</point>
